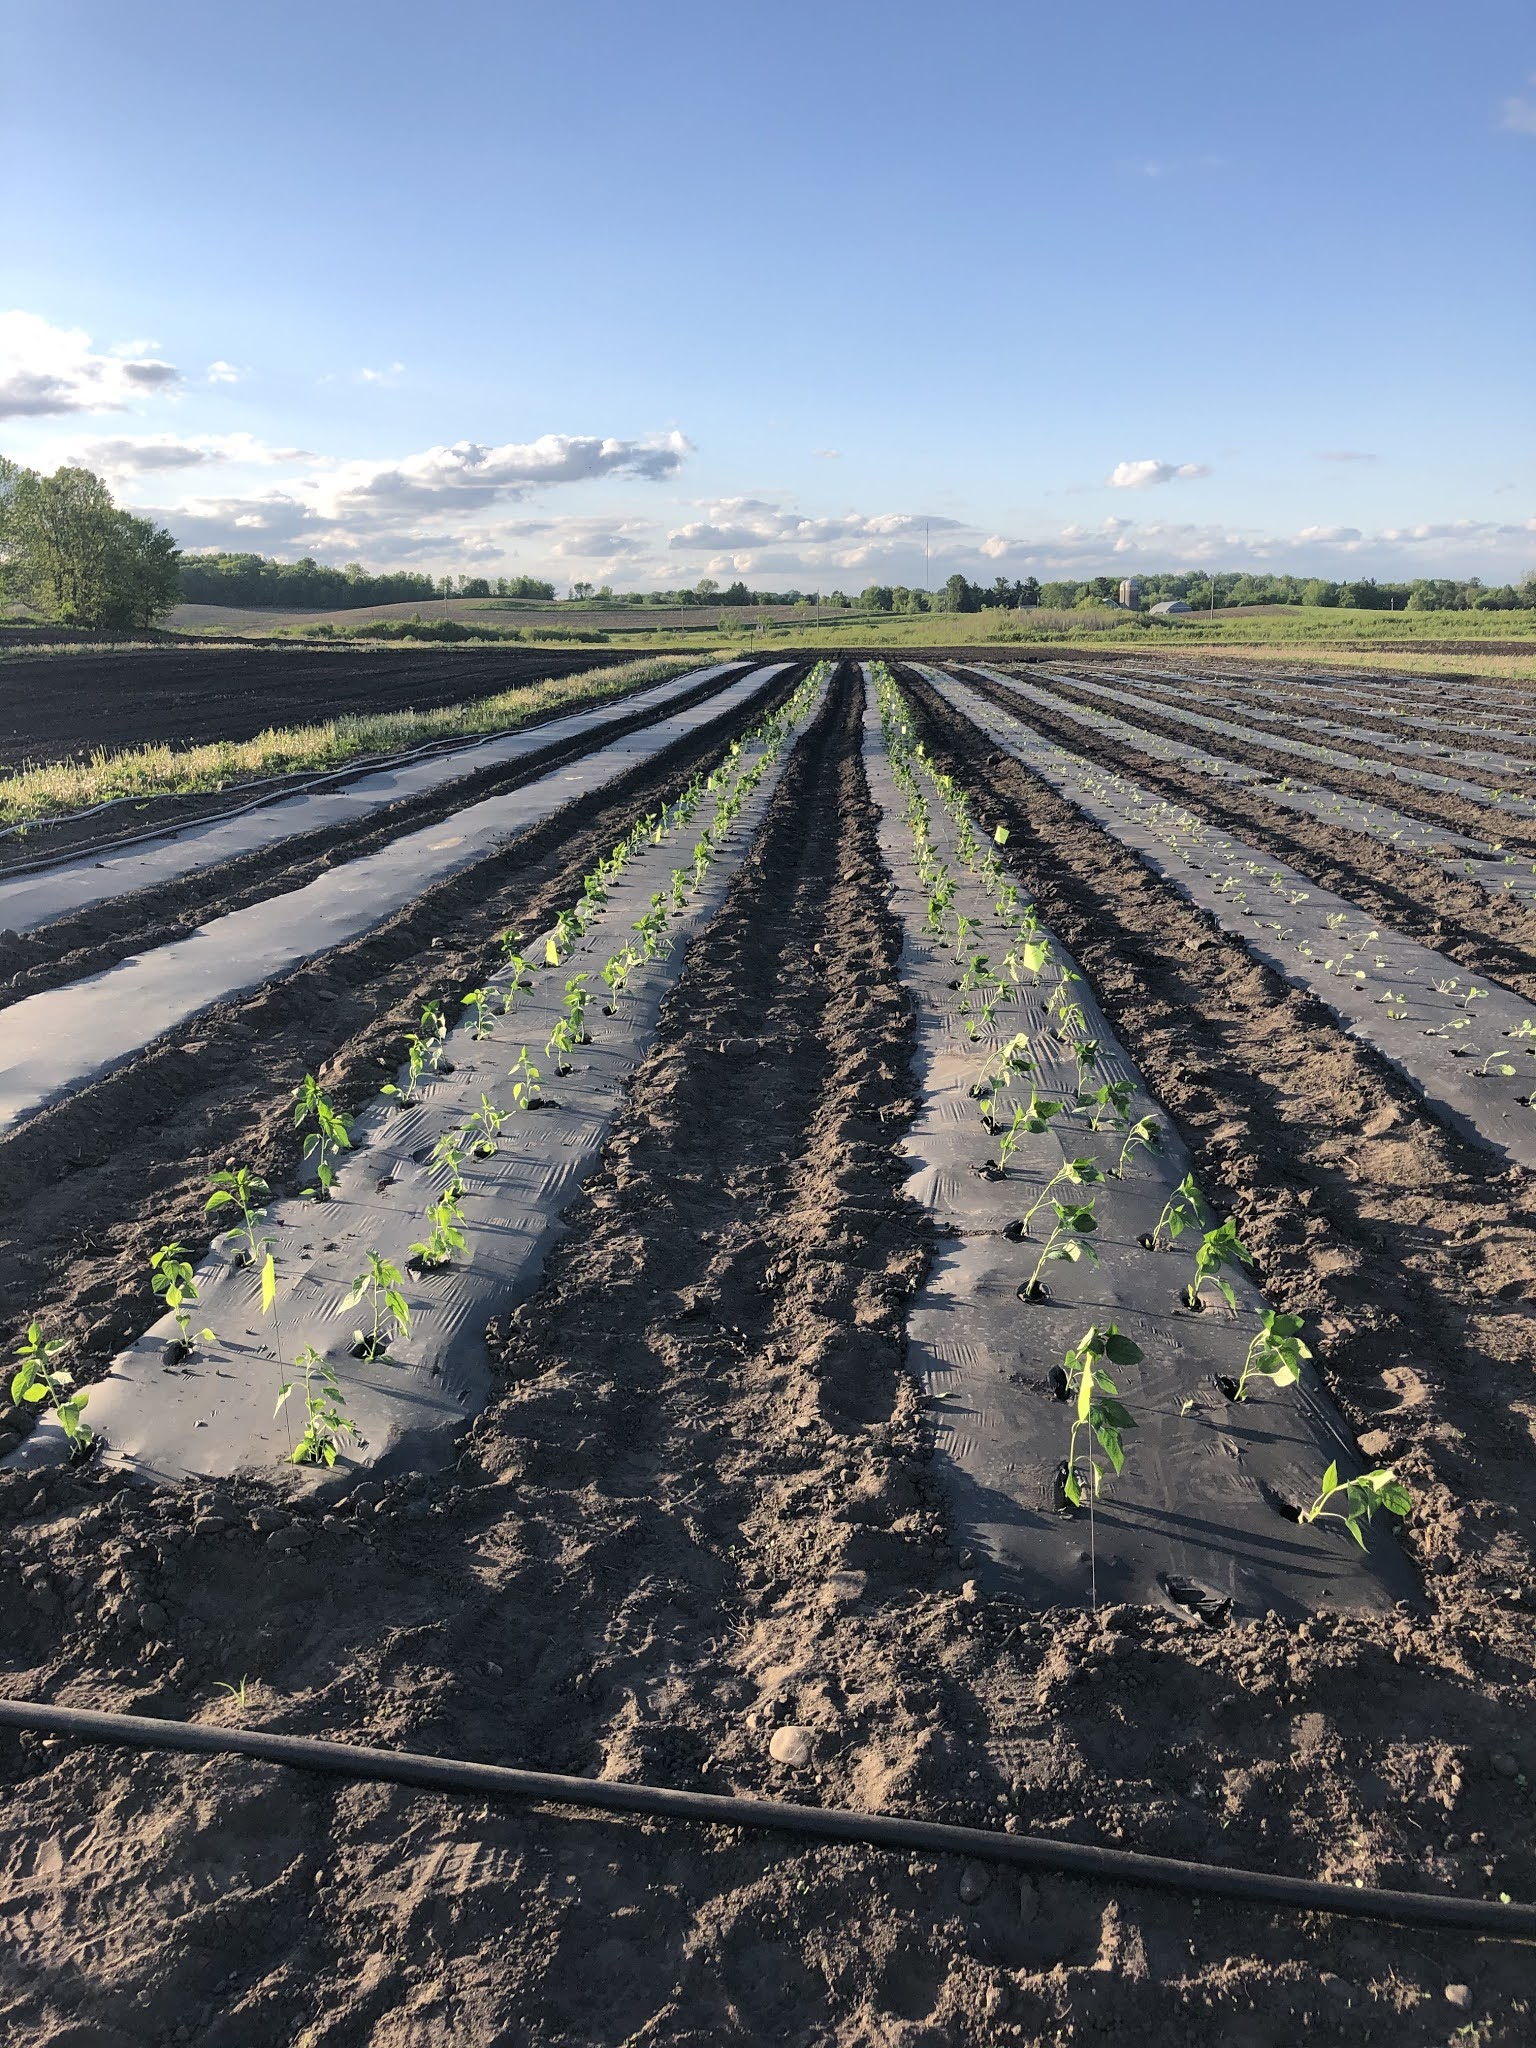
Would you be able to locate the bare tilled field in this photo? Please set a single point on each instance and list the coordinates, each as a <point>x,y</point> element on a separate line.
<point>915,1281</point>
<point>56,707</point>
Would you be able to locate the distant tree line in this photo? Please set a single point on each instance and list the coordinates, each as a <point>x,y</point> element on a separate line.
<point>68,552</point>
<point>1200,589</point>
<point>304,586</point>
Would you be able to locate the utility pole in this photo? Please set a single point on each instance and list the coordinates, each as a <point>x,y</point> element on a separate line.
<point>925,558</point>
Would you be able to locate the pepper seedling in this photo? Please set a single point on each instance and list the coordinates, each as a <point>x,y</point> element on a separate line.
<point>1069,1239</point>
<point>1184,1210</point>
<point>446,1236</point>
<point>238,1187</point>
<point>1147,1132</point>
<point>1075,1172</point>
<point>172,1277</point>
<point>478,1000</point>
<point>525,1082</point>
<point>1276,1353</point>
<point>383,1284</point>
<point>332,1132</point>
<point>487,1120</point>
<point>326,1423</point>
<point>1219,1249</point>
<point>1358,1499</point>
<point>1098,1408</point>
<point>39,1380</point>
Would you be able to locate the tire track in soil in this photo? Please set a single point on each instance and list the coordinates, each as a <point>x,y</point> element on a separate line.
<point>1433,807</point>
<point>99,936</point>
<point>640,1535</point>
<point>90,1186</point>
<point>1402,890</point>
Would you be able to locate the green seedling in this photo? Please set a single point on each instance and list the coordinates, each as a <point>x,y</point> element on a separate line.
<point>1070,1239</point>
<point>448,1154</point>
<point>568,929</point>
<point>1075,1172</point>
<point>1276,1353</point>
<point>525,1082</point>
<point>1001,1067</point>
<point>445,1237</point>
<point>1107,1105</point>
<point>236,1692</point>
<point>1184,1210</point>
<point>332,1132</point>
<point>1039,1113</point>
<point>516,967</point>
<point>616,975</point>
<point>487,1120</point>
<point>478,1000</point>
<point>1098,1407</point>
<point>1008,1140</point>
<point>172,1278</point>
<point>239,1188</point>
<point>1354,1501</point>
<point>326,1422</point>
<point>1219,1249</point>
<point>1146,1132</point>
<point>382,1283</point>
<point>39,1381</point>
<point>1495,1062</point>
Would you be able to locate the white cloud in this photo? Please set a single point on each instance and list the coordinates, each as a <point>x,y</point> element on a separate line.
<point>428,505</point>
<point>46,371</point>
<point>739,528</point>
<point>224,373</point>
<point>128,455</point>
<point>390,375</point>
<point>827,454</point>
<point>1135,476</point>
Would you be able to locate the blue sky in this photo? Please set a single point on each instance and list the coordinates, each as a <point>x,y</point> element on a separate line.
<point>642,295</point>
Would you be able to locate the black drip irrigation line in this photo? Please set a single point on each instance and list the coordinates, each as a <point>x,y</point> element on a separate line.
<point>829,1823</point>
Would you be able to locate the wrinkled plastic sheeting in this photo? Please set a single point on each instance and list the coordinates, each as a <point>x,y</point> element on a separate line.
<point>37,899</point>
<point>62,1038</point>
<point>1310,750</point>
<point>1474,860</point>
<point>212,1414</point>
<point>1380,821</point>
<point>1412,1005</point>
<point>1201,1517</point>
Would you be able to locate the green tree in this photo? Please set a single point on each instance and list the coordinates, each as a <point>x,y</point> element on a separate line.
<point>73,554</point>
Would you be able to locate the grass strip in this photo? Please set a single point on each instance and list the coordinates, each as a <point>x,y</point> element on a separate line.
<point>57,788</point>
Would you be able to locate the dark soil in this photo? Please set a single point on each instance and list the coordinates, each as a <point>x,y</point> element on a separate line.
<point>97,937</point>
<point>66,707</point>
<point>1494,935</point>
<point>701,1507</point>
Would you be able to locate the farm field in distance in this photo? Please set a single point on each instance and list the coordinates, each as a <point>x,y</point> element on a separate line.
<point>850,1217</point>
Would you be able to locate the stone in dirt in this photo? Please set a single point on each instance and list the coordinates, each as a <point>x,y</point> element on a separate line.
<point>1460,1996</point>
<point>790,1745</point>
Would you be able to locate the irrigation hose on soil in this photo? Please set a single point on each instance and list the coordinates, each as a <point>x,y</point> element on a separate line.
<point>830,1823</point>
